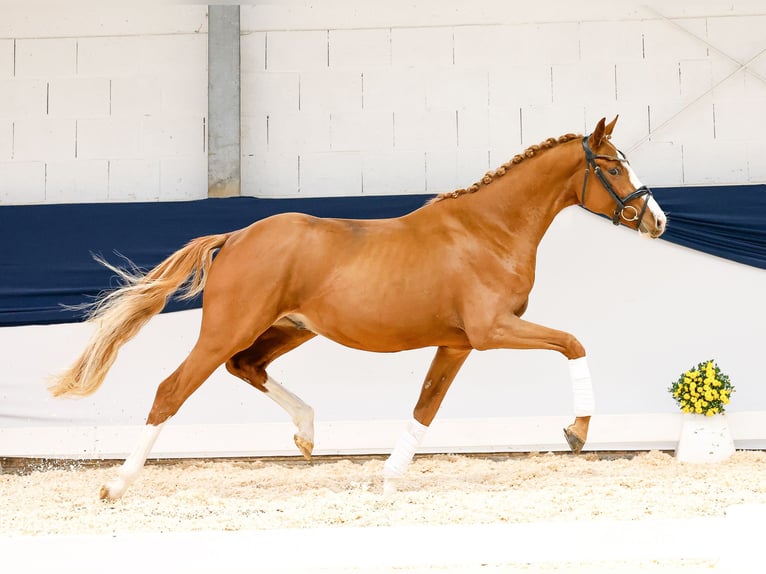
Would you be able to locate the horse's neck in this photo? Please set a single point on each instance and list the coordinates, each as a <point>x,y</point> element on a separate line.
<point>528,197</point>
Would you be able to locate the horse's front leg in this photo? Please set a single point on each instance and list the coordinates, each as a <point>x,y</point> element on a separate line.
<point>511,332</point>
<point>442,372</point>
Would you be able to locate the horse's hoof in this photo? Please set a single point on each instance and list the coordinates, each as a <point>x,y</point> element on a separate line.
<point>575,442</point>
<point>305,446</point>
<point>104,493</point>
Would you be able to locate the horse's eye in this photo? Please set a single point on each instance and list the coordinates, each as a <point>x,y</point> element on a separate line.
<point>615,171</point>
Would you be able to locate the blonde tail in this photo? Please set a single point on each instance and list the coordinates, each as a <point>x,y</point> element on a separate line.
<point>120,314</point>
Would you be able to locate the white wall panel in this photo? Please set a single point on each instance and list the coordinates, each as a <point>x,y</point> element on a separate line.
<point>357,129</point>
<point>390,89</point>
<point>441,171</point>
<point>173,136</point>
<point>747,30</point>
<point>46,58</point>
<point>473,128</point>
<point>252,49</point>
<point>539,122</point>
<point>421,47</point>
<point>291,51</point>
<point>44,137</point>
<point>608,42</point>
<point>554,43</point>
<point>79,97</point>
<point>718,162</point>
<point>6,140</point>
<point>472,164</point>
<point>647,81</point>
<point>271,174</point>
<point>135,96</point>
<point>22,182</point>
<point>674,120</point>
<point>56,20</point>
<point>584,83</point>
<point>23,97</point>
<point>425,129</point>
<point>254,134</point>
<point>297,132</point>
<point>268,92</point>
<point>732,125</point>
<point>675,40</point>
<point>448,170</point>
<point>482,47</point>
<point>115,56</point>
<point>755,165</point>
<point>330,173</point>
<point>505,130</point>
<point>360,49</point>
<point>183,177</point>
<point>520,84</point>
<point>330,91</point>
<point>409,167</point>
<point>6,58</point>
<point>456,88</point>
<point>695,78</point>
<point>112,137</point>
<point>83,180</point>
<point>658,163</point>
<point>134,180</point>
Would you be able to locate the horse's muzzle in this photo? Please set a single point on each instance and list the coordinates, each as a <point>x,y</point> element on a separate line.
<point>654,221</point>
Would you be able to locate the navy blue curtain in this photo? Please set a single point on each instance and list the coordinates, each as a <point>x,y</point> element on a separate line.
<point>46,262</point>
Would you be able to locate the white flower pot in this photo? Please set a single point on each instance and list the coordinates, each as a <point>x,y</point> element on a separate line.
<point>704,439</point>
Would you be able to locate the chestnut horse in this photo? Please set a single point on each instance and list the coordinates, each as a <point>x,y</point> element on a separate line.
<point>455,274</point>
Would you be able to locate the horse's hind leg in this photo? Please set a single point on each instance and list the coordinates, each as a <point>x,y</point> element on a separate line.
<point>442,372</point>
<point>250,366</point>
<point>204,358</point>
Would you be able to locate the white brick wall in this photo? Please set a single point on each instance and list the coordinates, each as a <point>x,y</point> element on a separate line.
<point>423,97</point>
<point>46,58</point>
<point>449,89</point>
<point>6,58</point>
<point>22,182</point>
<point>6,140</point>
<point>360,49</point>
<point>103,104</point>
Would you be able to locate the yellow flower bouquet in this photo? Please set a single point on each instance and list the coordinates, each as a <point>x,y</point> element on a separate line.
<point>703,390</point>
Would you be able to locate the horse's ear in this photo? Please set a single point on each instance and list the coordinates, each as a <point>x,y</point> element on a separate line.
<point>597,136</point>
<point>610,126</point>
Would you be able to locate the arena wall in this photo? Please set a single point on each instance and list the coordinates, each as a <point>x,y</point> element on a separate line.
<point>102,102</point>
<point>345,98</point>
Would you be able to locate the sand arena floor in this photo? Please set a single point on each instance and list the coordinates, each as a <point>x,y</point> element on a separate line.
<point>61,499</point>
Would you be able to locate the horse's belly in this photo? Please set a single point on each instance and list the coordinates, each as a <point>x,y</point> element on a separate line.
<point>380,334</point>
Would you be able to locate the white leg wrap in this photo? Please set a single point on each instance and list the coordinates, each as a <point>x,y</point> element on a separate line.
<point>134,463</point>
<point>404,450</point>
<point>301,413</point>
<point>582,388</point>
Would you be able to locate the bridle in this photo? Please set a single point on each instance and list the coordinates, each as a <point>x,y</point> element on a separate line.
<point>621,203</point>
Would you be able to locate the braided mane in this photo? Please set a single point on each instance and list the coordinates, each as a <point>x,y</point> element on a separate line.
<point>531,151</point>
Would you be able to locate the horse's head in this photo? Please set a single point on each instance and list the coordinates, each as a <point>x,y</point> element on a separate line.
<point>615,190</point>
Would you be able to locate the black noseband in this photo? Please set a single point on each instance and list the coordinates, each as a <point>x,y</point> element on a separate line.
<point>621,203</point>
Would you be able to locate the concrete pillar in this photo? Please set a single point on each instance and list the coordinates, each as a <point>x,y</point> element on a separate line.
<point>223,105</point>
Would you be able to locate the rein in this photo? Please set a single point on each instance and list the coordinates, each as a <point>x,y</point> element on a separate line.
<point>621,203</point>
